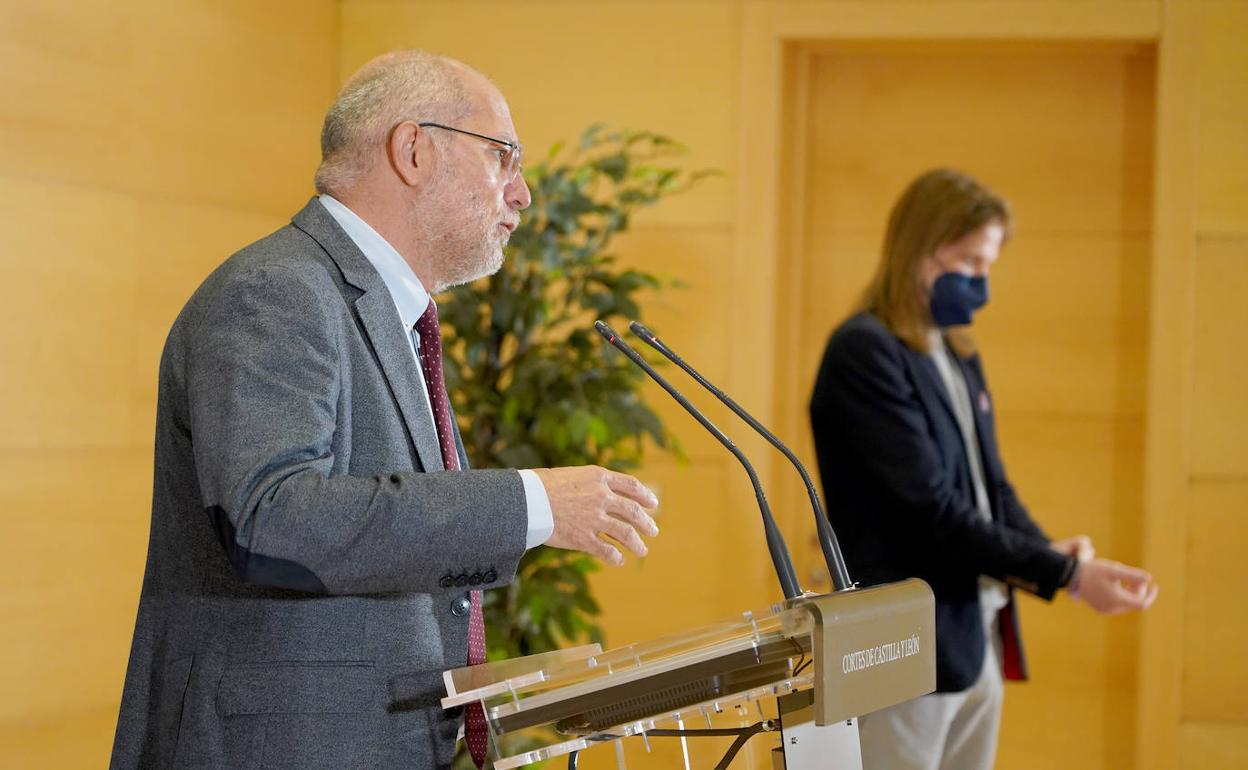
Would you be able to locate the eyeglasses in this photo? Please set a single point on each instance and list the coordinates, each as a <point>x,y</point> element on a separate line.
<point>510,155</point>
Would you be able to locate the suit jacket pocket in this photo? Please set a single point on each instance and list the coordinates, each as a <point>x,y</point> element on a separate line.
<point>299,688</point>
<point>305,715</point>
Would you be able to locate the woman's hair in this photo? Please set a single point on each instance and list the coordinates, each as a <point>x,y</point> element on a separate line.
<point>938,208</point>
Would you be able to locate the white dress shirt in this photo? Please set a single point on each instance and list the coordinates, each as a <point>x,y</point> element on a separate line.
<point>411,299</point>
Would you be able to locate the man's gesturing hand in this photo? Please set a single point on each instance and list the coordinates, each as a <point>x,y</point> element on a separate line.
<point>589,502</point>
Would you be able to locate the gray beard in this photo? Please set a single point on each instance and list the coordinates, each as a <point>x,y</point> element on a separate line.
<point>460,260</point>
<point>465,268</point>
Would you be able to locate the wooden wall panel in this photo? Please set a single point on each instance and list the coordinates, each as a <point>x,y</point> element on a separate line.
<point>140,145</point>
<point>1080,301</point>
<point>181,100</point>
<point>1078,475</point>
<point>80,739</point>
<point>67,314</point>
<point>1206,746</point>
<point>1214,672</point>
<point>119,270</point>
<point>691,318</point>
<point>1219,430</point>
<point>1094,463</point>
<point>1222,154</point>
<point>1194,713</point>
<point>1065,170</point>
<point>72,590</point>
<point>662,66</point>
<point>1214,709</point>
<point>1213,715</point>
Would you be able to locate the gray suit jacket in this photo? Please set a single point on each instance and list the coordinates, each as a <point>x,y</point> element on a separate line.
<point>309,556</point>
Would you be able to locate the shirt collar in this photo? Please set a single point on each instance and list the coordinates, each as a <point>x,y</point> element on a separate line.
<point>410,296</point>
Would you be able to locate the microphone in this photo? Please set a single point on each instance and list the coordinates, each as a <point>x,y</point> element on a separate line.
<point>827,537</point>
<point>775,543</point>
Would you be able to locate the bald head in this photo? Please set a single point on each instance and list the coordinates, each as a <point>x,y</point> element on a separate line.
<point>391,88</point>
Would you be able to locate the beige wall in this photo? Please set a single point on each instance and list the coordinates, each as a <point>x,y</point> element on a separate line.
<point>141,143</point>
<point>1194,698</point>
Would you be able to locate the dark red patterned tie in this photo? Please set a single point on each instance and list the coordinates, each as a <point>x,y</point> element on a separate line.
<point>475,731</point>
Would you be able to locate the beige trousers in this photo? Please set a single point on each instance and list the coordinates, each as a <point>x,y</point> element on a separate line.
<point>941,731</point>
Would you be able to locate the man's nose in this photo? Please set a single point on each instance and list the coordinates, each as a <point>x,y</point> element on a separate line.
<point>517,193</point>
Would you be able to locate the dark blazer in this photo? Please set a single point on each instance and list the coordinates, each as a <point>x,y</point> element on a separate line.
<point>309,559</point>
<point>899,491</point>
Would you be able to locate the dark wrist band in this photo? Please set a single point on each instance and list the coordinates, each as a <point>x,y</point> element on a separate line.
<point>1070,578</point>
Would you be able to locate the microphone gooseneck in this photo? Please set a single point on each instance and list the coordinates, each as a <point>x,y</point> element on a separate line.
<point>775,542</point>
<point>827,536</point>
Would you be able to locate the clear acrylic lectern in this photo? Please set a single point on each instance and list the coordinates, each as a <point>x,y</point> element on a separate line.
<point>826,658</point>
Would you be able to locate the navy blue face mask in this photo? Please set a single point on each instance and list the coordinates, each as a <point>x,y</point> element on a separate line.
<point>956,297</point>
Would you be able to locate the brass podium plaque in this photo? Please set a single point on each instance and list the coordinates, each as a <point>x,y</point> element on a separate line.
<point>873,647</point>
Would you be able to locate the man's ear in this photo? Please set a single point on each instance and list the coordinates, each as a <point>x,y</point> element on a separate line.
<point>406,151</point>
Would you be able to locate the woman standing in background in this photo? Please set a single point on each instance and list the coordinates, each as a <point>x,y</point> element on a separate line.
<point>906,441</point>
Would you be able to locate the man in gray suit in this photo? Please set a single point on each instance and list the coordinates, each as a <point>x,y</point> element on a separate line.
<point>315,538</point>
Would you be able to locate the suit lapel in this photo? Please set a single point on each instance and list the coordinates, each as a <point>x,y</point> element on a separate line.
<point>385,332</point>
<point>377,314</point>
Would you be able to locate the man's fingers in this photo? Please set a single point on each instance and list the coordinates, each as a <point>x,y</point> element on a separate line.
<point>605,552</point>
<point>586,539</point>
<point>628,486</point>
<point>625,534</point>
<point>632,513</point>
<point>596,509</point>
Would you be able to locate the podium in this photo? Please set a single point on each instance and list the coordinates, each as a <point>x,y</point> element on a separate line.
<point>817,662</point>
